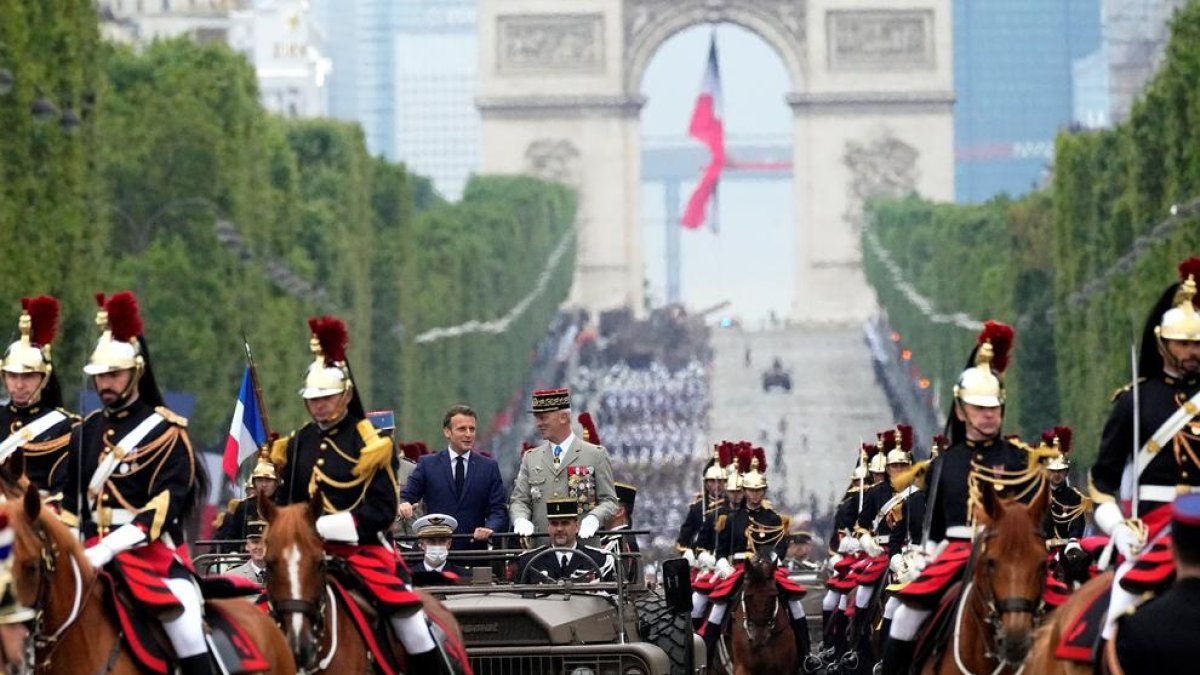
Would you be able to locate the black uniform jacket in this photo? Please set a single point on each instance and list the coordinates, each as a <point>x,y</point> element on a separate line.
<point>43,455</point>
<point>1160,636</point>
<point>950,507</point>
<point>1066,518</point>
<point>893,526</point>
<point>697,532</point>
<point>732,537</point>
<point>549,566</point>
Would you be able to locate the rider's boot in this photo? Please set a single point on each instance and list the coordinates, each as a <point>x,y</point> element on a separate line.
<point>200,664</point>
<point>712,635</point>
<point>838,626</point>
<point>431,662</point>
<point>897,656</point>
<point>697,623</point>
<point>826,615</point>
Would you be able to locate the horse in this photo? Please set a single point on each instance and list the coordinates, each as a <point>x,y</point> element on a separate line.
<point>320,634</point>
<point>993,623</point>
<point>1041,658</point>
<point>75,632</point>
<point>14,639</point>
<point>761,632</point>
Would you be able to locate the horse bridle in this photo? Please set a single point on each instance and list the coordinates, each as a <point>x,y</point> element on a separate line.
<point>994,610</point>
<point>313,611</point>
<point>771,625</point>
<point>40,641</point>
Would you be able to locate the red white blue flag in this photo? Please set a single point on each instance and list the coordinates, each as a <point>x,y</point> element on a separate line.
<point>246,432</point>
<point>707,127</point>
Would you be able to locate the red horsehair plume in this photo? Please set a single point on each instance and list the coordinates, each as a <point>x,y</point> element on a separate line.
<point>99,299</point>
<point>589,426</point>
<point>869,449</point>
<point>43,319</point>
<point>724,454</point>
<point>526,446</point>
<point>744,454</point>
<point>124,321</point>
<point>761,456</point>
<point>940,441</point>
<point>1001,337</point>
<point>887,440</point>
<point>1064,438</point>
<point>1048,437</point>
<point>906,437</point>
<point>331,334</point>
<point>1191,268</point>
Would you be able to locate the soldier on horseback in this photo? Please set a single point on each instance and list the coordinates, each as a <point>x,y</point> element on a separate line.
<point>846,551</point>
<point>341,456</point>
<point>978,452</point>
<point>756,525</point>
<point>131,482</point>
<point>34,427</point>
<point>1160,461</point>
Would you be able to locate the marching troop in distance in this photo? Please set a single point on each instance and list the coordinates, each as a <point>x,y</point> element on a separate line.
<point>950,551</point>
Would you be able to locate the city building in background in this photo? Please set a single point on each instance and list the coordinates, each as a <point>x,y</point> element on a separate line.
<point>1014,67</point>
<point>1135,38</point>
<point>139,22</point>
<point>278,38</point>
<point>406,71</point>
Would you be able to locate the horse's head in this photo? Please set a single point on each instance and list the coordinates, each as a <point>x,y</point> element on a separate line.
<point>295,580</point>
<point>760,601</point>
<point>1010,572</point>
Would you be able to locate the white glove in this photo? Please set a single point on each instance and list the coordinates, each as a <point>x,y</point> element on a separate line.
<point>338,527</point>
<point>522,527</point>
<point>849,546</point>
<point>690,557</point>
<point>1127,540</point>
<point>869,545</point>
<point>98,555</point>
<point>832,561</point>
<point>724,569</point>
<point>706,560</point>
<point>588,526</point>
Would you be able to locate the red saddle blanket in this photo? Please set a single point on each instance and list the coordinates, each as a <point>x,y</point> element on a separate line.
<point>1081,634</point>
<point>146,641</point>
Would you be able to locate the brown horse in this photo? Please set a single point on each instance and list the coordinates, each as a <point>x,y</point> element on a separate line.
<point>75,632</point>
<point>761,630</point>
<point>1041,657</point>
<point>318,631</point>
<point>994,621</point>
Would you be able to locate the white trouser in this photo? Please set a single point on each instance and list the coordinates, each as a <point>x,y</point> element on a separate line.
<point>843,601</point>
<point>863,597</point>
<point>830,602</point>
<point>186,632</point>
<point>1119,601</point>
<point>906,622</point>
<point>796,609</point>
<point>413,632</point>
<point>889,610</point>
<point>699,604</point>
<point>717,615</point>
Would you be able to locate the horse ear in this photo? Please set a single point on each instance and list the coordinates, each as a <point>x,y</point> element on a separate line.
<point>989,501</point>
<point>316,504</point>
<point>266,507</point>
<point>32,502</point>
<point>1040,503</point>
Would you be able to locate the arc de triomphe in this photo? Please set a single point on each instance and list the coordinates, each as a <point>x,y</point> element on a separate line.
<point>872,98</point>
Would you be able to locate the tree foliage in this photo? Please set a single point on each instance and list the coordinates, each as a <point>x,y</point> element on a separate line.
<point>1076,266</point>
<point>228,221</point>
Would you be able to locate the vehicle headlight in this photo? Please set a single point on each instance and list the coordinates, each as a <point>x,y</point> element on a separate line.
<point>583,670</point>
<point>634,670</point>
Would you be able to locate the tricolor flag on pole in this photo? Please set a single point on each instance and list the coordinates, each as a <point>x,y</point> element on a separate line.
<point>246,432</point>
<point>707,128</point>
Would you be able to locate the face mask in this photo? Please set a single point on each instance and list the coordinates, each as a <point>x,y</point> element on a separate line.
<point>436,555</point>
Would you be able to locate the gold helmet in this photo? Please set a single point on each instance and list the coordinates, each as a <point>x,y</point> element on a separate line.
<point>118,347</point>
<point>982,383</point>
<point>902,453</point>
<point>722,458</point>
<point>756,477</point>
<point>740,467</point>
<point>878,463</point>
<point>1181,321</point>
<point>328,373</point>
<point>37,325</point>
<point>263,469</point>
<point>1058,439</point>
<point>938,445</point>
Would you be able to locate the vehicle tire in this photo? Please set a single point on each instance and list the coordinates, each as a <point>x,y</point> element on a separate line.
<point>667,630</point>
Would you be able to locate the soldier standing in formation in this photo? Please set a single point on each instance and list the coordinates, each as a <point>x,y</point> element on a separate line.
<point>562,467</point>
<point>34,427</point>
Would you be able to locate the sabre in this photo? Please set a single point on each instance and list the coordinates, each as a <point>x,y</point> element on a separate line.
<point>1137,418</point>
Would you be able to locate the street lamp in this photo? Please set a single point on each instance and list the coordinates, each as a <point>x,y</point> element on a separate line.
<point>43,110</point>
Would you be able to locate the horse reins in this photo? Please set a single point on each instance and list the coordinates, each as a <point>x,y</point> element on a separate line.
<point>995,612</point>
<point>771,624</point>
<point>315,612</point>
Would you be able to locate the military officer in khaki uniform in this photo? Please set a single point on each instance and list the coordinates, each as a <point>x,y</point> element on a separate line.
<point>564,466</point>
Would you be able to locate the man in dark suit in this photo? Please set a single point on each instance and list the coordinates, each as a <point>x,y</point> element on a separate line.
<point>460,483</point>
<point>568,558</point>
<point>433,537</point>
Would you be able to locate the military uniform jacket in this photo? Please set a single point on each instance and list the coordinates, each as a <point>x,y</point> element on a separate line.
<point>584,473</point>
<point>247,571</point>
<point>626,544</point>
<point>1160,636</point>
<point>325,459</point>
<point>894,524</point>
<point>150,487</point>
<point>1158,399</point>
<point>232,523</point>
<point>1066,517</point>
<point>735,524</point>
<point>697,531</point>
<point>951,507</point>
<point>550,567</point>
<point>844,518</point>
<point>43,455</point>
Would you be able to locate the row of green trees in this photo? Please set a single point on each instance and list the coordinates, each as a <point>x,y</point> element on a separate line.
<point>1075,266</point>
<point>226,220</point>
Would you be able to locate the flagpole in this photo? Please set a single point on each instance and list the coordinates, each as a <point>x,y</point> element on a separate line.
<point>258,392</point>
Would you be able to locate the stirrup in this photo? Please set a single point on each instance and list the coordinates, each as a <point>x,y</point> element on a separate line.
<point>850,660</point>
<point>812,663</point>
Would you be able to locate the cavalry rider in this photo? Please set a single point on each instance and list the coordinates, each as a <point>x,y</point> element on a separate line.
<point>845,551</point>
<point>882,525</point>
<point>696,534</point>
<point>706,577</point>
<point>231,525</point>
<point>1067,516</point>
<point>753,527</point>
<point>341,454</point>
<point>140,480</point>
<point>1165,402</point>
<point>34,427</point>
<point>978,455</point>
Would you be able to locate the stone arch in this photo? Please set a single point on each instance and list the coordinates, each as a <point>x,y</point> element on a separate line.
<point>650,23</point>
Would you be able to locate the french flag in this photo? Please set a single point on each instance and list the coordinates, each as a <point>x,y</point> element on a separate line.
<point>707,127</point>
<point>246,432</point>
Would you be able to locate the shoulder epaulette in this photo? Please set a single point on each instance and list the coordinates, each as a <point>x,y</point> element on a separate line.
<point>69,414</point>
<point>698,497</point>
<point>1128,387</point>
<point>766,504</point>
<point>93,414</point>
<point>234,504</point>
<point>171,416</point>
<point>278,454</point>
